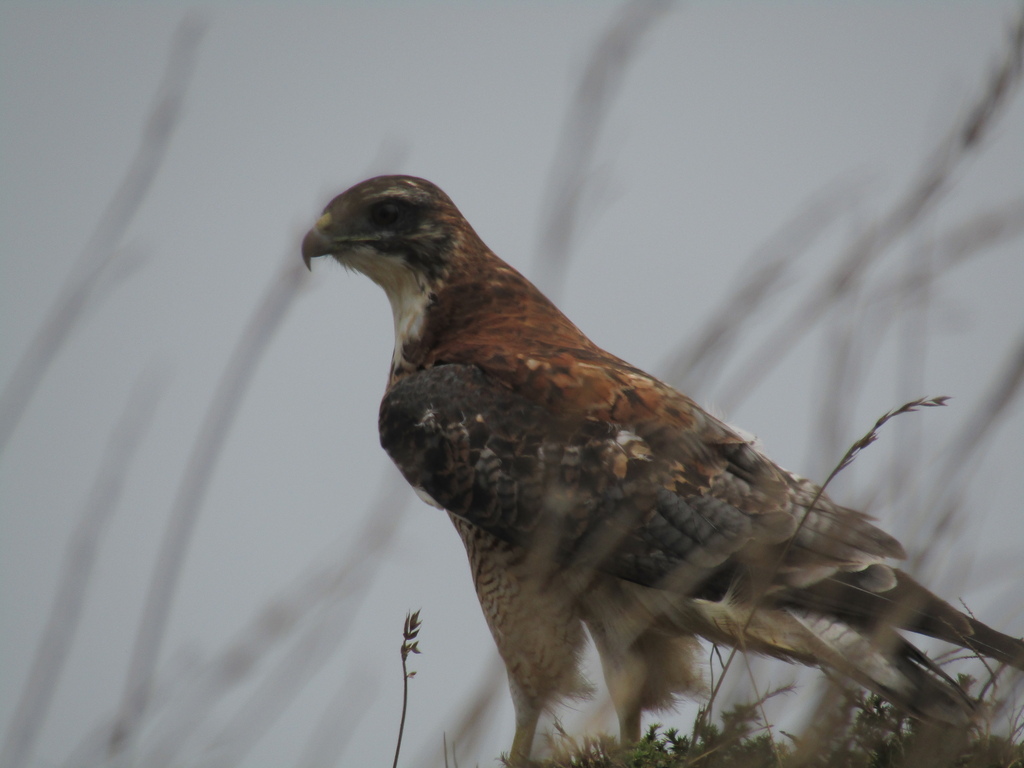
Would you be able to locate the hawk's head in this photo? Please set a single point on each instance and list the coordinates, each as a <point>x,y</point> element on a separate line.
<point>447,290</point>
<point>390,228</point>
<point>407,236</point>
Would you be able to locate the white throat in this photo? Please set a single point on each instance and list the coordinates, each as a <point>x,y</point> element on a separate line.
<point>406,292</point>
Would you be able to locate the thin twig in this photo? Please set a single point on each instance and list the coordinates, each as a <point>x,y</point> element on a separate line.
<point>410,632</point>
<point>868,438</point>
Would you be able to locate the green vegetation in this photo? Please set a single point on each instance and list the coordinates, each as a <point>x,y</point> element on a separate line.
<point>874,735</point>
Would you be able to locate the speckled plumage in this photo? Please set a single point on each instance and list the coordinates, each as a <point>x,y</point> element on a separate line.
<point>587,492</point>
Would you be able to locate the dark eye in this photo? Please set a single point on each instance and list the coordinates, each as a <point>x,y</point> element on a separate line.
<point>385,213</point>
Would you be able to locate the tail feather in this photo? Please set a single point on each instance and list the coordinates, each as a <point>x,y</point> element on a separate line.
<point>893,668</point>
<point>989,642</point>
<point>848,622</point>
<point>906,605</point>
<point>883,662</point>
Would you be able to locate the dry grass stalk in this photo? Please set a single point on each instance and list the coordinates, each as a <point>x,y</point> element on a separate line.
<point>410,644</point>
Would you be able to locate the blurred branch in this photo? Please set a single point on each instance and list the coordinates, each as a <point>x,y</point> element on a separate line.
<point>99,255</point>
<point>323,603</point>
<point>93,749</point>
<point>933,180</point>
<point>52,651</point>
<point>308,654</point>
<point>848,342</point>
<point>478,709</point>
<point>952,248</point>
<point>860,321</point>
<point>693,364</point>
<point>343,714</point>
<point>203,460</point>
<point>967,448</point>
<point>601,81</point>
<point>909,297</point>
<point>1005,391</point>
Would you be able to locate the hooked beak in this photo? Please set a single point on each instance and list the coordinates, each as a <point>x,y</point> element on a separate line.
<point>316,243</point>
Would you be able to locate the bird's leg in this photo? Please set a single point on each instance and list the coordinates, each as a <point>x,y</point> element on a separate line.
<point>629,724</point>
<point>534,625</point>
<point>625,668</point>
<point>625,674</point>
<point>526,728</point>
<point>644,668</point>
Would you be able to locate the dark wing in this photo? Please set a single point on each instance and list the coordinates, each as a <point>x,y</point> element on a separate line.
<point>689,511</point>
<point>621,498</point>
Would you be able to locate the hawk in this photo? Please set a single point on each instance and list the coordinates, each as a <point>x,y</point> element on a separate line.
<point>590,494</point>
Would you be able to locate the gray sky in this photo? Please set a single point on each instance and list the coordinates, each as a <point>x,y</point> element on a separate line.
<point>730,121</point>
